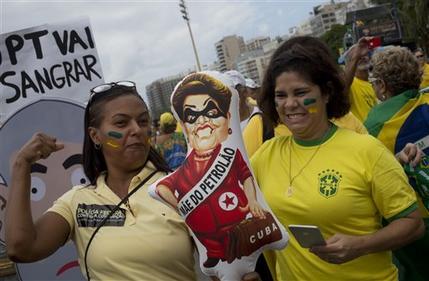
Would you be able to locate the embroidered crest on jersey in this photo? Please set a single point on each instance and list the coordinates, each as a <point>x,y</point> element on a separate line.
<point>329,182</point>
<point>91,215</point>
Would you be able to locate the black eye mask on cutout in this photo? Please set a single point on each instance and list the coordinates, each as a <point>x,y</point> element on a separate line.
<point>211,111</point>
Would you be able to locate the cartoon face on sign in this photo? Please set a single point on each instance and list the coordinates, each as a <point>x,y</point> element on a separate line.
<point>214,190</point>
<point>50,178</point>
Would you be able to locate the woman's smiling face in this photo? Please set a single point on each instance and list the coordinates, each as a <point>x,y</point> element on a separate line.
<point>300,104</point>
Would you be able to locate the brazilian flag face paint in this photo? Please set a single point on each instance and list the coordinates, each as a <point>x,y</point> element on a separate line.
<point>310,103</point>
<point>113,144</point>
<point>115,135</point>
<point>312,109</point>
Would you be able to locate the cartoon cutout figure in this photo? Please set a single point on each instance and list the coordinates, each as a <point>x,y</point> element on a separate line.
<point>50,178</point>
<point>214,190</point>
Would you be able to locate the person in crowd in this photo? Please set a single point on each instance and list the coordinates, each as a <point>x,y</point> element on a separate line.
<point>171,145</point>
<point>402,117</point>
<point>424,67</point>
<point>144,239</point>
<point>323,175</point>
<point>119,231</point>
<point>154,131</point>
<point>253,90</point>
<point>259,128</point>
<point>246,109</point>
<point>362,96</point>
<point>202,103</point>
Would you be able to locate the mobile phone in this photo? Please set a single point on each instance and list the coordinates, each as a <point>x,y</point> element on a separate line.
<point>374,43</point>
<point>307,235</point>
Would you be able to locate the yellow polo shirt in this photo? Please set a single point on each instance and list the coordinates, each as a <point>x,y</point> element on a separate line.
<point>149,241</point>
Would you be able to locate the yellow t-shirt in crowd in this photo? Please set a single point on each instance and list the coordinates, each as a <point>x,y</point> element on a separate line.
<point>149,241</point>
<point>253,133</point>
<point>179,128</point>
<point>425,77</point>
<point>350,183</point>
<point>362,98</point>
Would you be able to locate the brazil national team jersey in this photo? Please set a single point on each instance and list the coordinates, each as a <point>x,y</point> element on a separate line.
<point>362,98</point>
<point>345,184</point>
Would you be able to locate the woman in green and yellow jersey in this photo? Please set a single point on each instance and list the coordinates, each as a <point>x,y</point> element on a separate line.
<point>337,179</point>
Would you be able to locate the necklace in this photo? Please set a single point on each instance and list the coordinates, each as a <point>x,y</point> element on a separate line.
<point>289,191</point>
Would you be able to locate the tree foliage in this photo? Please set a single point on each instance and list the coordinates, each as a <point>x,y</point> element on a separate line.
<point>334,37</point>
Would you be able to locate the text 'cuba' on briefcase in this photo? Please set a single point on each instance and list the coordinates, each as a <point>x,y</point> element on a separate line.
<point>250,235</point>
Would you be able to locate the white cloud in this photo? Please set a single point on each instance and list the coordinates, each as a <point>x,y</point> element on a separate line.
<point>148,40</point>
<point>263,28</point>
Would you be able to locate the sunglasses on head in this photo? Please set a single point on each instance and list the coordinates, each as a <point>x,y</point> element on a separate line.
<point>107,86</point>
<point>210,111</point>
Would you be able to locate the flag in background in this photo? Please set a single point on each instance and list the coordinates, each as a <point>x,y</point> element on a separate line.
<point>401,119</point>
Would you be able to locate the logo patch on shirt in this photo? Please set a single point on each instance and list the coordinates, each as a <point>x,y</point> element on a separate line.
<point>329,182</point>
<point>92,215</point>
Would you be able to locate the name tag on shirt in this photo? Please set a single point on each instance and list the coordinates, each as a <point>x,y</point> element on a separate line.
<point>92,215</point>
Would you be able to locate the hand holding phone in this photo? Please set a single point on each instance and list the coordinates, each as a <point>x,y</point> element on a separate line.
<point>307,235</point>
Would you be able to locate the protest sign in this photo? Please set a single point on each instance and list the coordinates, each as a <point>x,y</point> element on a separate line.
<point>58,60</point>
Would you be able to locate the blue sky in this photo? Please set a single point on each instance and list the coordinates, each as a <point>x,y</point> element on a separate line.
<point>146,40</point>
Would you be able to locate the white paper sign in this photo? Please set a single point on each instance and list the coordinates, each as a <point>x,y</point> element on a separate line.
<point>58,60</point>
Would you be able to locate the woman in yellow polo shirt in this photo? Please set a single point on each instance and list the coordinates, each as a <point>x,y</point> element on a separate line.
<point>119,231</point>
<point>143,239</point>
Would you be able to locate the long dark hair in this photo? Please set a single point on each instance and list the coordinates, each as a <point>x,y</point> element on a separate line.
<point>93,159</point>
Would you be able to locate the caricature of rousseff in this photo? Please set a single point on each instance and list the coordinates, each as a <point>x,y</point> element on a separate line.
<point>213,189</point>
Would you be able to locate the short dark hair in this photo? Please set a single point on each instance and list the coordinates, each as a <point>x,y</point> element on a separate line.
<point>93,159</point>
<point>311,58</point>
<point>168,128</point>
<point>201,83</point>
